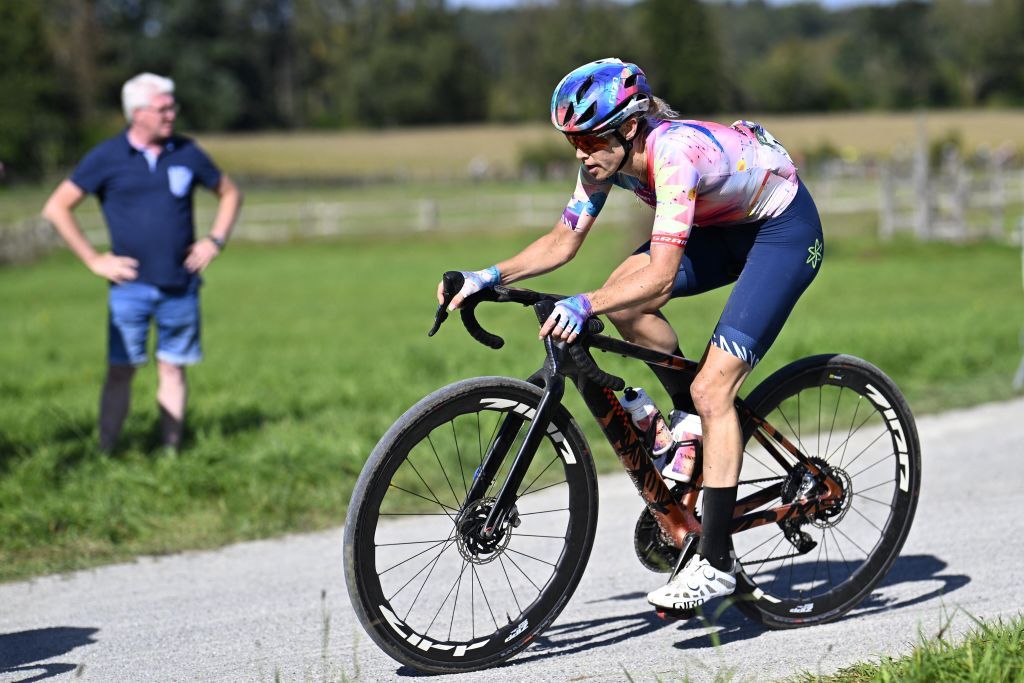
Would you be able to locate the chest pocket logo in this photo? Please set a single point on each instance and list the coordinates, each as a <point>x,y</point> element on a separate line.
<point>179,178</point>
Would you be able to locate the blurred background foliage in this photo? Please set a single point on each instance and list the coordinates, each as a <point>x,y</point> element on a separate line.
<point>244,65</point>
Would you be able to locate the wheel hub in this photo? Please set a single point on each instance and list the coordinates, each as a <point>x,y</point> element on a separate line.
<point>802,484</point>
<point>473,545</point>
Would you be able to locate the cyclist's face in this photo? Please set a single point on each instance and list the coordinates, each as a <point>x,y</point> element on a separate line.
<point>599,154</point>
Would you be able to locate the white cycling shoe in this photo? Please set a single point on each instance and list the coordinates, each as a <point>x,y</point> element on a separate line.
<point>696,583</point>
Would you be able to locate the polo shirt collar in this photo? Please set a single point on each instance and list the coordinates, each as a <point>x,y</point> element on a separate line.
<point>169,144</point>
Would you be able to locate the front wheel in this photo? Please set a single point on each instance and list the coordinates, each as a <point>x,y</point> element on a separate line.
<point>851,420</point>
<point>432,590</point>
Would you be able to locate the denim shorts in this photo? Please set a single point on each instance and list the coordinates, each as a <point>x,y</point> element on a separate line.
<point>771,261</point>
<point>133,305</point>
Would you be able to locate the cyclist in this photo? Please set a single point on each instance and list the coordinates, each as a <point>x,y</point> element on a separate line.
<point>729,207</point>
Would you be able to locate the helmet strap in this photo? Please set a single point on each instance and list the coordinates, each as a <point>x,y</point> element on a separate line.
<point>627,145</point>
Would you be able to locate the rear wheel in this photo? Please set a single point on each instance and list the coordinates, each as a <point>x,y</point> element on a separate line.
<point>430,588</point>
<point>851,420</point>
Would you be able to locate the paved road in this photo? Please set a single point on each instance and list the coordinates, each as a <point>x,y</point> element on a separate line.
<point>279,608</point>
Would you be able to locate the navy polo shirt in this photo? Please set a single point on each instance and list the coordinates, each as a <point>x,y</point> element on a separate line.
<point>148,210</point>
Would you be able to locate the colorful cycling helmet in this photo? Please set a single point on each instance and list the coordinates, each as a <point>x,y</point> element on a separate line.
<point>599,96</point>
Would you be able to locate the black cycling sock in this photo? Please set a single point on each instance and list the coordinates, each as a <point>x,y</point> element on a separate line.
<point>677,384</point>
<point>715,521</point>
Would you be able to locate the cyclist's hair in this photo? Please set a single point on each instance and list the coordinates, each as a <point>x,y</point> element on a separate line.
<point>661,110</point>
<point>138,91</point>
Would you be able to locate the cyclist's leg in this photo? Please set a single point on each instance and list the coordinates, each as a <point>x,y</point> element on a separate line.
<point>780,264</point>
<point>644,325</point>
<point>706,264</point>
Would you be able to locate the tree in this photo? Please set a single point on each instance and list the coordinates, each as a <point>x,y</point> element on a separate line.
<point>33,136</point>
<point>685,63</point>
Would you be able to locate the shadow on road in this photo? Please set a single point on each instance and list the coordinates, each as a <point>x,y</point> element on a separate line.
<point>20,652</point>
<point>719,623</point>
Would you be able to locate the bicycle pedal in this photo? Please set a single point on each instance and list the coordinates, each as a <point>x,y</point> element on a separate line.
<point>676,614</point>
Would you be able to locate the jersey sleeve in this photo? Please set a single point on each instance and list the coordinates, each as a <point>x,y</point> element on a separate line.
<point>585,203</point>
<point>205,170</point>
<point>675,184</point>
<point>91,173</point>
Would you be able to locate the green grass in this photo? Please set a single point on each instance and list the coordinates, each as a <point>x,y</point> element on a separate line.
<point>990,653</point>
<point>313,349</point>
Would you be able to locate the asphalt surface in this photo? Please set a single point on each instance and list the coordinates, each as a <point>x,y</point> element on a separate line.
<point>279,609</point>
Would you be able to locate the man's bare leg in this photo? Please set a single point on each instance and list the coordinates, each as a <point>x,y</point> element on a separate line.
<point>171,396</point>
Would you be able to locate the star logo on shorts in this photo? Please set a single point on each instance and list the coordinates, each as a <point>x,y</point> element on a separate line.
<point>815,254</point>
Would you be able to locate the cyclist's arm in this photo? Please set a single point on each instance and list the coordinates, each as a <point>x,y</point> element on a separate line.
<point>676,180</point>
<point>559,246</point>
<point>58,210</point>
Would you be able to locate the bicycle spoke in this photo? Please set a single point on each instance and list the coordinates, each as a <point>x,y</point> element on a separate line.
<point>504,570</point>
<point>850,436</point>
<point>535,559</point>
<point>866,519</point>
<point>520,535</point>
<point>458,454</point>
<point>525,575</point>
<point>445,601</point>
<point>422,552</point>
<point>413,514</point>
<point>432,500</point>
<point>874,500</point>
<point>884,458</point>
<point>455,604</point>
<point>539,475</point>
<point>388,545</point>
<point>835,414</point>
<point>557,483</point>
<point>819,421</point>
<point>794,432</point>
<point>849,432</point>
<point>852,542</point>
<point>543,512</point>
<point>430,563</point>
<point>437,499</point>
<point>451,488</point>
<point>486,601</point>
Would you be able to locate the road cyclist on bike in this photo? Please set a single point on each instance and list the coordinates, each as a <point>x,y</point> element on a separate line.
<point>728,207</point>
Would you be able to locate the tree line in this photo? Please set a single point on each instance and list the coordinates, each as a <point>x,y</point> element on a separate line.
<point>334,64</point>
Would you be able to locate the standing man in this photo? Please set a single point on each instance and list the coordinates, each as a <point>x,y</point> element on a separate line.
<point>144,178</point>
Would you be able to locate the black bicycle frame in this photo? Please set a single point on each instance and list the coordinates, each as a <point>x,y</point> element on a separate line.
<point>673,508</point>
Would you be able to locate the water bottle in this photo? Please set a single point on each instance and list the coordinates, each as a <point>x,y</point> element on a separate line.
<point>687,440</point>
<point>649,421</point>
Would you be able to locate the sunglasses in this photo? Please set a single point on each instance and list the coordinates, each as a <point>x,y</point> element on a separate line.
<point>589,143</point>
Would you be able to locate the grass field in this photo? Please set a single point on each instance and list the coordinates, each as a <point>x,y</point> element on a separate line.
<point>313,349</point>
<point>992,652</point>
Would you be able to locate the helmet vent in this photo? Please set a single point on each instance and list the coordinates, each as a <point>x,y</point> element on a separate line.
<point>587,114</point>
<point>584,87</point>
<point>568,114</point>
<point>630,81</point>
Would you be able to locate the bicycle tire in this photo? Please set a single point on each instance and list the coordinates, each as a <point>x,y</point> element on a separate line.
<point>811,593</point>
<point>451,641</point>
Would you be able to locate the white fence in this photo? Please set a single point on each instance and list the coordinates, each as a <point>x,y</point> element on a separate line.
<point>892,193</point>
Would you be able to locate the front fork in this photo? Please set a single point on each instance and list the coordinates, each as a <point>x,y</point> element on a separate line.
<point>504,502</point>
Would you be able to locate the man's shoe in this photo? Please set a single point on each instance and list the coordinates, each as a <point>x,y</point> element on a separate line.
<point>694,585</point>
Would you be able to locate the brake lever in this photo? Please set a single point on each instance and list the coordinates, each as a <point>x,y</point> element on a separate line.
<point>453,281</point>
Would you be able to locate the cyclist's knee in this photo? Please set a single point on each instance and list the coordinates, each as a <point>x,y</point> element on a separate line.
<point>713,394</point>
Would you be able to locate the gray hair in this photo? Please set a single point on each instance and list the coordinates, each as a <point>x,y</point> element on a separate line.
<point>140,90</point>
<point>661,110</point>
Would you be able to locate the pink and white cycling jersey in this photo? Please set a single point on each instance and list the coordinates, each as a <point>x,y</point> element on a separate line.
<point>699,173</point>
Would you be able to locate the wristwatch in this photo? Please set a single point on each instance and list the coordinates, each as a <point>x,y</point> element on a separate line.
<point>218,241</point>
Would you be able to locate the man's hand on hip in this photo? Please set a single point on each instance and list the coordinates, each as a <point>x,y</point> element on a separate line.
<point>200,254</point>
<point>115,268</point>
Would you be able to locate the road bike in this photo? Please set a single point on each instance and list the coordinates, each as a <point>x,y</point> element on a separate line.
<point>474,517</point>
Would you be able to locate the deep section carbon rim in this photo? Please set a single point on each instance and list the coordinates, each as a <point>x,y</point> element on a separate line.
<point>442,593</point>
<point>855,425</point>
